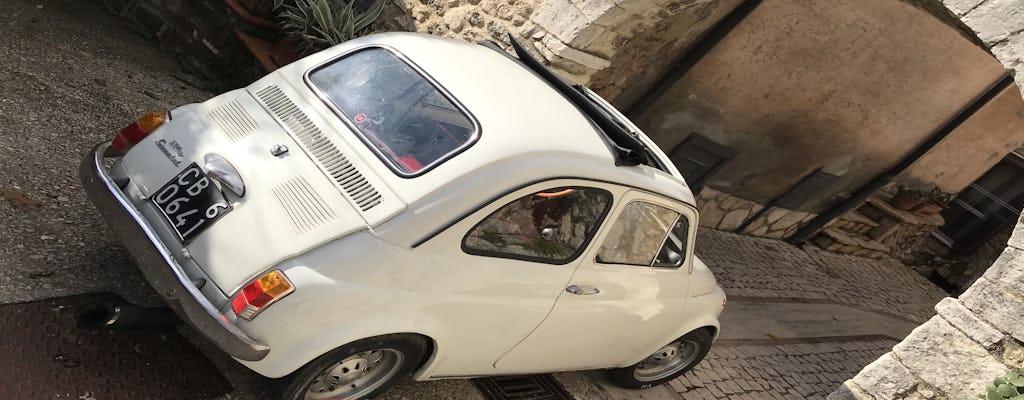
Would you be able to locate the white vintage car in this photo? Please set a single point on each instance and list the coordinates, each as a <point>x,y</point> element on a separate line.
<point>402,204</point>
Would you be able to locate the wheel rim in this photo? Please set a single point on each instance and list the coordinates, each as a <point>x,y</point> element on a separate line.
<point>356,375</point>
<point>667,361</point>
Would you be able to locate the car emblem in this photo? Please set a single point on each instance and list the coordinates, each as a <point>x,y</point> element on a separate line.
<point>278,149</point>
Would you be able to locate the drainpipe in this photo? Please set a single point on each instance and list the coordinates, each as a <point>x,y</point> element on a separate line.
<point>719,32</point>
<point>863,193</point>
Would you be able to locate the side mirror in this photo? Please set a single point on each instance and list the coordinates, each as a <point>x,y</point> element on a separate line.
<point>547,233</point>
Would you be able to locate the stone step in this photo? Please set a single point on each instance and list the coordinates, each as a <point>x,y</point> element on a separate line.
<point>854,222</point>
<point>843,242</point>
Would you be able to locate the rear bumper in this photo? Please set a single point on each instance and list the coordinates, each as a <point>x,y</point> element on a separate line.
<point>158,263</point>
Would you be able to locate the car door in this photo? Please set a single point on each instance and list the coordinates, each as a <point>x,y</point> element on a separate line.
<point>626,298</point>
<point>495,274</point>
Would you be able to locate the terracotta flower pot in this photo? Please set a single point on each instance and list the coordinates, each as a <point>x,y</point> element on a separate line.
<point>271,56</point>
<point>929,209</point>
<point>904,201</point>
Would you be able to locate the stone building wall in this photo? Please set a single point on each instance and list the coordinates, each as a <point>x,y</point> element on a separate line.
<point>978,336</point>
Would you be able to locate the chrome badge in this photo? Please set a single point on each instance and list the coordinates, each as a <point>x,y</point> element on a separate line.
<point>278,149</point>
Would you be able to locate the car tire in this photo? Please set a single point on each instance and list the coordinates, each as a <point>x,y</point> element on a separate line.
<point>359,370</point>
<point>667,363</point>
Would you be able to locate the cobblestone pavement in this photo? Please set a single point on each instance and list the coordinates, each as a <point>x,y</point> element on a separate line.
<point>786,371</point>
<point>749,267</point>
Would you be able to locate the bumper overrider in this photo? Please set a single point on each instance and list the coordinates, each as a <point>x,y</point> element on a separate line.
<point>158,264</point>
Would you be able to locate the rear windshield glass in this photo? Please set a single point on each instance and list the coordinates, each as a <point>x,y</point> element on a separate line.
<point>398,112</point>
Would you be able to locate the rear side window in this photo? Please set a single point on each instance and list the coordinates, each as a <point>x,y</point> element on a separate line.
<point>400,114</point>
<point>553,226</point>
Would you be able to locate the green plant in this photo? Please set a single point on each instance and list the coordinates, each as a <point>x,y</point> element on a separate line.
<point>934,194</point>
<point>1009,387</point>
<point>319,24</point>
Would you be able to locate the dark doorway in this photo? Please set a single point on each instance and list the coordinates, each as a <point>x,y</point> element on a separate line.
<point>698,158</point>
<point>989,205</point>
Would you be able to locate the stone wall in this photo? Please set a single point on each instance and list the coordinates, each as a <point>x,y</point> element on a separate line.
<point>725,212</point>
<point>470,20</point>
<point>198,32</point>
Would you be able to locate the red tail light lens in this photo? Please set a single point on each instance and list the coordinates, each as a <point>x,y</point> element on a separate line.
<point>138,130</point>
<point>260,293</point>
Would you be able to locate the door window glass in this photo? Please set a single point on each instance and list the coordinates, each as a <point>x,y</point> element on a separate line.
<point>673,250</point>
<point>641,234</point>
<point>552,226</point>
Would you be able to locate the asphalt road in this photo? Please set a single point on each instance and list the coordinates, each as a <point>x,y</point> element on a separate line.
<point>70,76</point>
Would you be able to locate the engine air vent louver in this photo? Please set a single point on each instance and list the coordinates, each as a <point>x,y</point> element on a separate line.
<point>234,121</point>
<point>306,209</point>
<point>334,163</point>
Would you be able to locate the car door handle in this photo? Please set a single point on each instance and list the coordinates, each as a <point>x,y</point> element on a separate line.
<point>582,290</point>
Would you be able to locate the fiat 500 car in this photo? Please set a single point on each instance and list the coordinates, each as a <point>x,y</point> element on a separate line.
<point>406,204</point>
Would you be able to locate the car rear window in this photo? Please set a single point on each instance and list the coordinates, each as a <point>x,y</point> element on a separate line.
<point>397,111</point>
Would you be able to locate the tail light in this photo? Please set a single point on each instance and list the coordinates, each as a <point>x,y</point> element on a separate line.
<point>138,130</point>
<point>261,293</point>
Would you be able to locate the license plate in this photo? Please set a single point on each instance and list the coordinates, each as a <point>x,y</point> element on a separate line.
<point>191,202</point>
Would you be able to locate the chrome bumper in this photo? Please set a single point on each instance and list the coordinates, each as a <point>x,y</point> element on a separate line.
<point>157,263</point>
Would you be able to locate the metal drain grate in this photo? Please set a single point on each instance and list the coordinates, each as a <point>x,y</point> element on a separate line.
<point>522,387</point>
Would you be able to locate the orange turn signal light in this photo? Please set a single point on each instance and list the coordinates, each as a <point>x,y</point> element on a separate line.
<point>261,293</point>
<point>138,130</point>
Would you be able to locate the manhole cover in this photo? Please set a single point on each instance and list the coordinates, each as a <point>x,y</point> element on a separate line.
<point>522,387</point>
<point>45,356</point>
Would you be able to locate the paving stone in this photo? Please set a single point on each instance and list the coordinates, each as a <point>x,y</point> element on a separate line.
<point>758,267</point>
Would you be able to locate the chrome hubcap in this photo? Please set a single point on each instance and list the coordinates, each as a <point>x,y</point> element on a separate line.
<point>667,361</point>
<point>356,375</point>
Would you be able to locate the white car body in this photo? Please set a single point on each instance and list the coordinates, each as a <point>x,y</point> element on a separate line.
<point>382,255</point>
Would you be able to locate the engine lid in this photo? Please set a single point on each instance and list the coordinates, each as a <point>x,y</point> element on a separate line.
<point>290,203</point>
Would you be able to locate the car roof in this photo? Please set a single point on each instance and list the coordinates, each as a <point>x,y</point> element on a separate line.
<point>521,118</point>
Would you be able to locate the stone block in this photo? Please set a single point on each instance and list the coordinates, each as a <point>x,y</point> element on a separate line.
<point>963,319</point>
<point>1008,270</point>
<point>733,219</point>
<point>942,356</point>
<point>710,215</point>
<point>849,391</point>
<point>997,305</point>
<point>585,59</point>
<point>594,9</point>
<point>790,219</point>
<point>562,19</point>
<point>1013,353</point>
<point>1011,53</point>
<point>885,378</point>
<point>1017,239</point>
<point>774,214</point>
<point>995,20</point>
<point>961,7</point>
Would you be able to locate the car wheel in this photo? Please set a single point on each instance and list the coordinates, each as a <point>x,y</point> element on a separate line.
<point>359,370</point>
<point>668,362</point>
